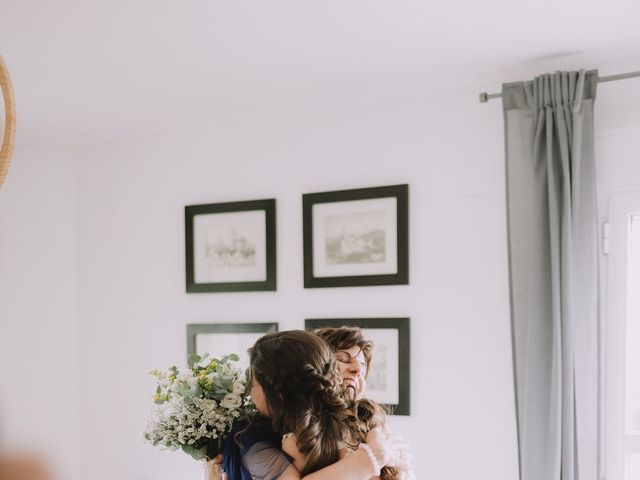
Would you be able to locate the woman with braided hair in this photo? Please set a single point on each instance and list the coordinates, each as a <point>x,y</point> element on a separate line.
<point>353,354</point>
<point>297,390</point>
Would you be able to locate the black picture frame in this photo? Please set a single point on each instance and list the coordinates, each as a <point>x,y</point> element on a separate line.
<point>336,275</point>
<point>220,334</point>
<point>266,247</point>
<point>403,348</point>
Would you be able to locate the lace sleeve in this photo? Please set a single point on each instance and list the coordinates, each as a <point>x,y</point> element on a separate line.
<point>265,461</point>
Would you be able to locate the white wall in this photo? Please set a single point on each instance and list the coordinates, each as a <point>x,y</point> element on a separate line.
<point>38,308</point>
<point>618,135</point>
<point>133,305</point>
<point>122,205</point>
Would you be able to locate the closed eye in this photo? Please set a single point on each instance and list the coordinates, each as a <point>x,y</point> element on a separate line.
<point>343,357</point>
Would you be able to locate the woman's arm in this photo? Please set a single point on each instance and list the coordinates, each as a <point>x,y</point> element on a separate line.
<point>290,447</point>
<point>263,458</point>
<point>355,466</point>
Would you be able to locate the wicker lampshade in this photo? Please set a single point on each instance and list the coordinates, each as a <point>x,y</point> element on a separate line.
<point>6,147</point>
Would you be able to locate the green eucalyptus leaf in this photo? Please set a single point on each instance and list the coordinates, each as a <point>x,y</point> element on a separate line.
<point>194,452</point>
<point>202,452</point>
<point>221,393</point>
<point>193,359</point>
<point>182,390</point>
<point>197,455</point>
<point>217,382</point>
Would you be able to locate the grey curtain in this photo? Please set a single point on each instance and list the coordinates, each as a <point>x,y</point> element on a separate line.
<point>553,261</point>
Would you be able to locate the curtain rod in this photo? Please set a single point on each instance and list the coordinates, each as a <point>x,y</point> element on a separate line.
<point>485,97</point>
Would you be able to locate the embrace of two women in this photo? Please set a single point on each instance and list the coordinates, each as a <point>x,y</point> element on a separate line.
<point>313,421</point>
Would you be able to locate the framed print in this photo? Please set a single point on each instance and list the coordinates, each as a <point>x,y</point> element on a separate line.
<point>356,237</point>
<point>389,376</point>
<point>231,247</point>
<point>219,339</point>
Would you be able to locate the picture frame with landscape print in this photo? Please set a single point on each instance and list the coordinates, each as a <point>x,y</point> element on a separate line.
<point>231,247</point>
<point>389,376</point>
<point>356,237</point>
<point>219,339</point>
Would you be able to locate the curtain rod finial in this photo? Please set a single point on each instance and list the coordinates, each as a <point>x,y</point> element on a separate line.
<point>484,97</point>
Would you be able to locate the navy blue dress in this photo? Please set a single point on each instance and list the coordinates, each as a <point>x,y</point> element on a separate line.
<point>260,456</point>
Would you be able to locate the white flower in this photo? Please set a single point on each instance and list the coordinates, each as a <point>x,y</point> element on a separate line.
<point>209,403</point>
<point>231,401</point>
<point>192,382</point>
<point>238,388</point>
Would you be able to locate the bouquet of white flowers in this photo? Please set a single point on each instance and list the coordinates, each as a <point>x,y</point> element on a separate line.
<point>194,410</point>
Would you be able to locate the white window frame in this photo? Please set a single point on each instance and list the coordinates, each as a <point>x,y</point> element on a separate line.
<point>615,442</point>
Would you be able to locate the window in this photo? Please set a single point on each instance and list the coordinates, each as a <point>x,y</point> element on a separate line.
<point>622,333</point>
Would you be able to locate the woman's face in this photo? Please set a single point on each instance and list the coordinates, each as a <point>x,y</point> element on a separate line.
<point>353,368</point>
<point>257,395</point>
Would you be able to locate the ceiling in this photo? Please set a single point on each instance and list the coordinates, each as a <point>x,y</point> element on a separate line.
<point>97,71</point>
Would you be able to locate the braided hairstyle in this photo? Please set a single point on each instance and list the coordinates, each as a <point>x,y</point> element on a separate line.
<point>298,374</point>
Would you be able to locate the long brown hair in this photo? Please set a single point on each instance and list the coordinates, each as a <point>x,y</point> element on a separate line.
<point>369,414</point>
<point>298,374</point>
